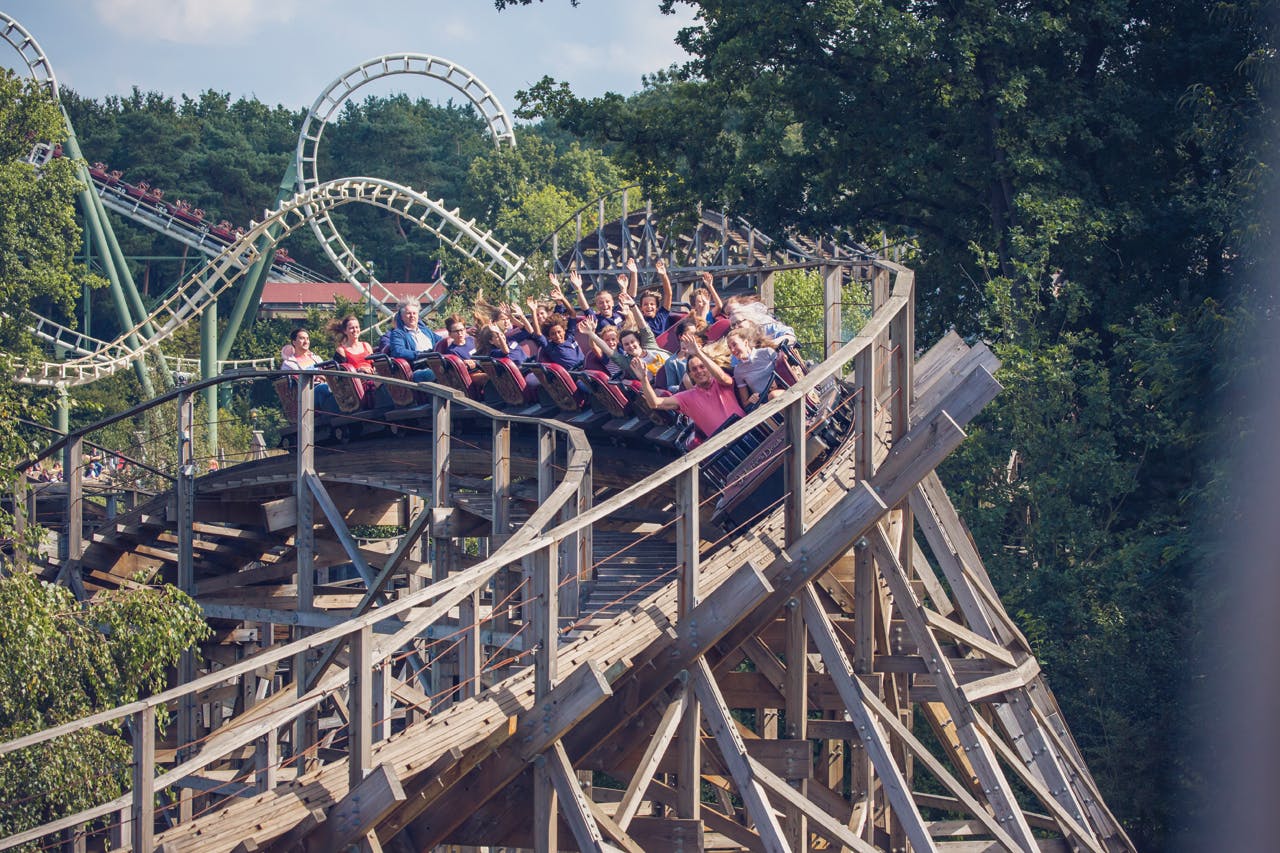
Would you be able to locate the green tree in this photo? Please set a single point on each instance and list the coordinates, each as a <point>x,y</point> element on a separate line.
<point>1078,179</point>
<point>60,662</point>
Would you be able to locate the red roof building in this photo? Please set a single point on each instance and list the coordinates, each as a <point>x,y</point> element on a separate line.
<point>291,300</point>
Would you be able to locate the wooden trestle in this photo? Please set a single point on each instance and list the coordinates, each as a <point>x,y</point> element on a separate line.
<point>837,674</point>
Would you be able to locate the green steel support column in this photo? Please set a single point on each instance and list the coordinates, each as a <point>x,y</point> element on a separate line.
<point>209,369</point>
<point>85,294</point>
<point>251,289</point>
<point>112,255</point>
<point>62,415</point>
<point>117,292</point>
<point>72,145</point>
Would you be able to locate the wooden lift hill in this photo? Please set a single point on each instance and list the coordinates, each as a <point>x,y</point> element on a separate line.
<point>561,652</point>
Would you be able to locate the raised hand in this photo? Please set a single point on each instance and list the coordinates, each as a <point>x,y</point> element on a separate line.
<point>631,265</point>
<point>707,278</point>
<point>585,326</point>
<point>660,266</point>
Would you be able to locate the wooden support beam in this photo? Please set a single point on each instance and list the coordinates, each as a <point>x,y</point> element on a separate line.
<point>895,785</point>
<point>1068,824</point>
<point>688,547</point>
<point>576,811</point>
<point>994,785</point>
<point>643,775</point>
<point>722,726</point>
<point>823,823</point>
<point>142,814</point>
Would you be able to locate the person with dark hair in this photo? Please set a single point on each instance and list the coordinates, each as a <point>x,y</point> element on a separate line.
<point>655,307</point>
<point>557,346</point>
<point>347,344</point>
<point>298,355</point>
<point>457,341</point>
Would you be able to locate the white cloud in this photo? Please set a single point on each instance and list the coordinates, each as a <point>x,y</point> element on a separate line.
<point>194,21</point>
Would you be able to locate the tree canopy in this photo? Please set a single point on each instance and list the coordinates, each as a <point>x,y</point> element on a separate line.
<point>1077,182</point>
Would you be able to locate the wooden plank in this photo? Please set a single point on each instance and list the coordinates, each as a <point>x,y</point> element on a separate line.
<point>994,685</point>
<point>672,833</point>
<point>970,638</point>
<point>821,822</point>
<point>936,359</point>
<point>573,803</point>
<point>978,357</point>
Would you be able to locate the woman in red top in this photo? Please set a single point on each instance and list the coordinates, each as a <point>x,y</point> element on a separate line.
<point>352,350</point>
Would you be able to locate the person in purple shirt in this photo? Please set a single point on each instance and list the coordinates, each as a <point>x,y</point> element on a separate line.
<point>458,342</point>
<point>655,308</point>
<point>606,311</point>
<point>556,346</point>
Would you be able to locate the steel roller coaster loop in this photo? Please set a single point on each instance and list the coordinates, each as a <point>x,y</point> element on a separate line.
<point>462,235</point>
<point>37,63</point>
<point>223,271</point>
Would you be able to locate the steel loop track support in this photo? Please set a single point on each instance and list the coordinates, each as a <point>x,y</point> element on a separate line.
<point>221,272</point>
<point>32,54</point>
<point>461,235</point>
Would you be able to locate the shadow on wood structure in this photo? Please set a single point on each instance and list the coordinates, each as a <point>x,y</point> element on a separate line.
<point>833,671</point>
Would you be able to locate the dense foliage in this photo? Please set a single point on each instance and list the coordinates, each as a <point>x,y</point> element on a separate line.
<point>1079,180</point>
<point>60,662</point>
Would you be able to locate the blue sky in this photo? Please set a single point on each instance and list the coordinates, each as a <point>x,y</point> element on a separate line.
<point>288,51</point>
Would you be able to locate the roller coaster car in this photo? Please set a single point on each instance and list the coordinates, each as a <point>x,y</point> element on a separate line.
<point>748,474</point>
<point>184,211</point>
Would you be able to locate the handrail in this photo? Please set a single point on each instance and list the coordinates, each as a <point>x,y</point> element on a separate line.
<point>578,462</point>
<point>533,537</point>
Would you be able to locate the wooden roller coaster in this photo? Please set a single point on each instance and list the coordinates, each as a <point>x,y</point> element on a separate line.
<point>572,645</point>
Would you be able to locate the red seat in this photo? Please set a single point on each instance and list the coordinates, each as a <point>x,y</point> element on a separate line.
<point>398,368</point>
<point>506,378</point>
<point>669,340</point>
<point>606,396</point>
<point>559,385</point>
<point>287,391</point>
<point>348,392</point>
<point>453,372</point>
<point>718,329</point>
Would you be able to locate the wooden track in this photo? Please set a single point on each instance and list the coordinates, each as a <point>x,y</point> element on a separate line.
<point>557,612</point>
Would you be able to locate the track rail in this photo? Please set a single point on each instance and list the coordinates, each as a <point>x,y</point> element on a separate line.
<point>461,235</point>
<point>102,359</point>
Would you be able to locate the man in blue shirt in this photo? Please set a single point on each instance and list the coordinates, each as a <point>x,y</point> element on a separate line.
<point>409,339</point>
